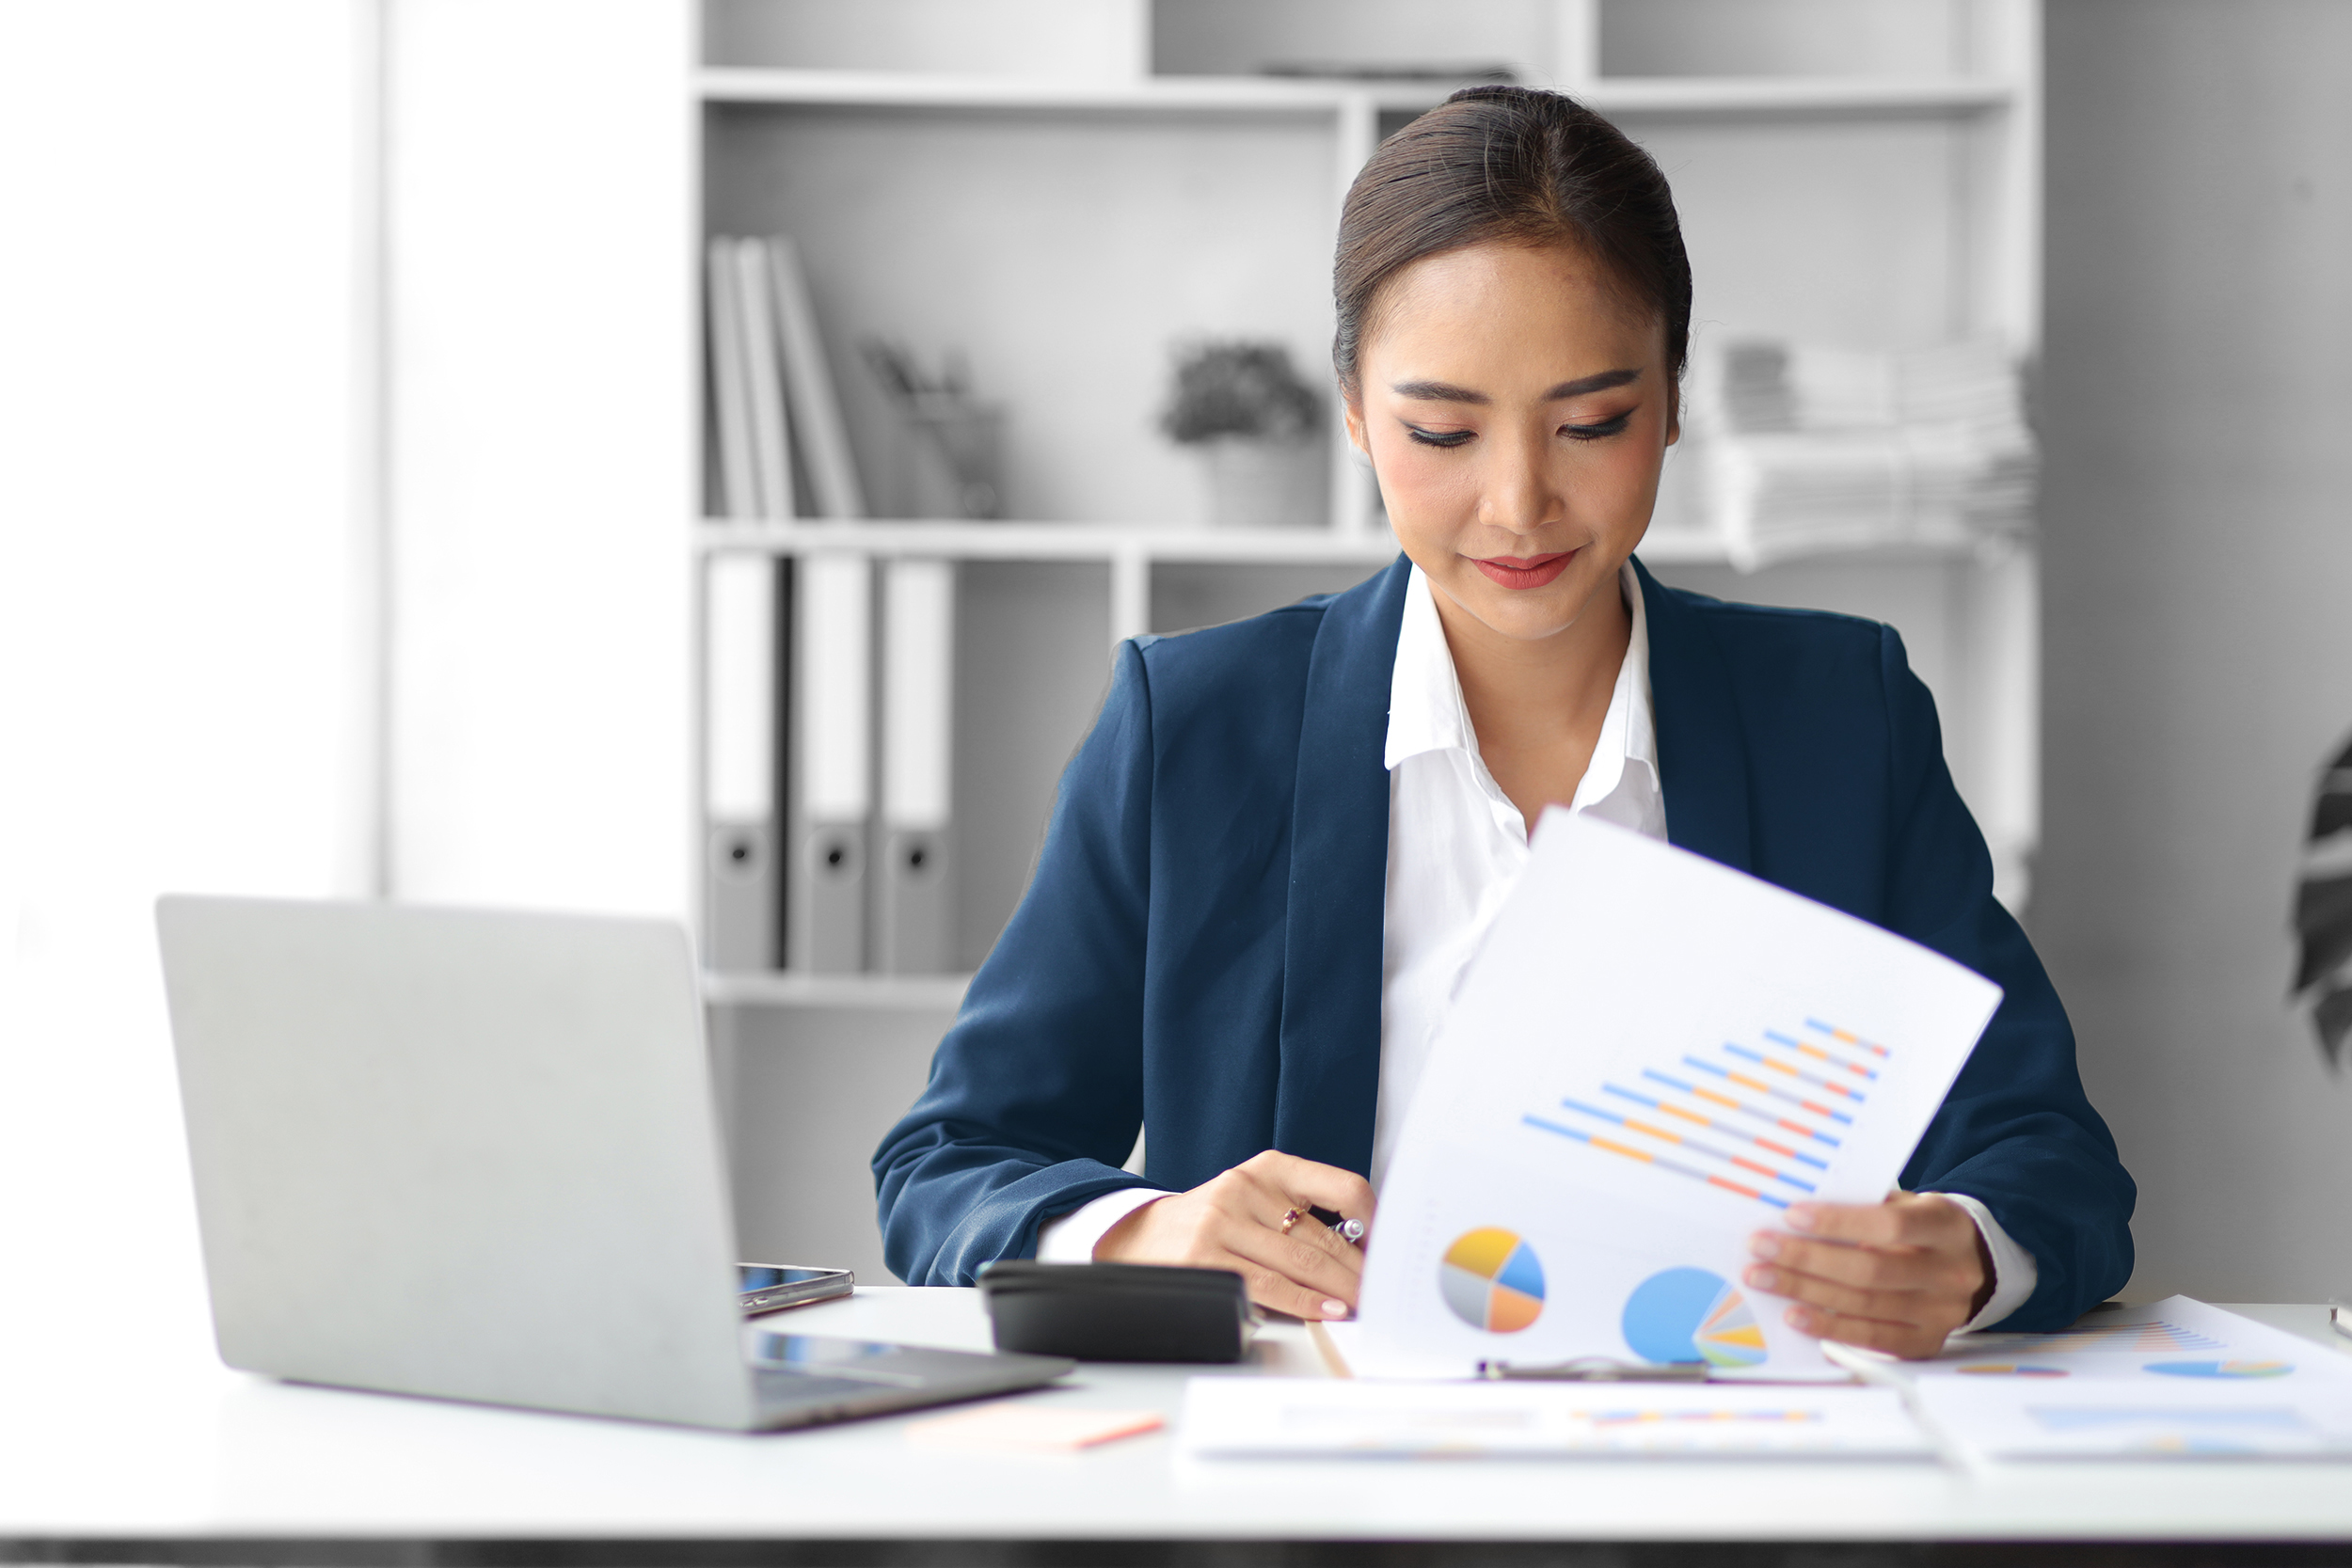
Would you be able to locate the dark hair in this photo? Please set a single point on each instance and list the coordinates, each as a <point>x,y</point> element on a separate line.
<point>1517,165</point>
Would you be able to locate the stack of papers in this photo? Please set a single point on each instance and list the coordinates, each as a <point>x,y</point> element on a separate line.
<point>1801,449</point>
<point>2175,1379</point>
<point>1234,1418</point>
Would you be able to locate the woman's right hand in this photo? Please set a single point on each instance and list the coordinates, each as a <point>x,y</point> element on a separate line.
<point>1234,1221</point>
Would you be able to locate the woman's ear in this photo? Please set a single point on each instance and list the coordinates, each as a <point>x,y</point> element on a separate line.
<point>1674,412</point>
<point>1352,412</point>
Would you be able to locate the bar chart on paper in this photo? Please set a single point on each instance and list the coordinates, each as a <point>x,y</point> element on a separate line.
<point>1761,1120</point>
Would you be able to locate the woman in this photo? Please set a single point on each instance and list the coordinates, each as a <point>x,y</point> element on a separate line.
<point>1276,849</point>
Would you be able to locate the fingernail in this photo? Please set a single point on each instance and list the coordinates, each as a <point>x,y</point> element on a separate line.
<point>1764,1244</point>
<point>1335,1310</point>
<point>1802,1318</point>
<point>1802,1217</point>
<point>1764,1279</point>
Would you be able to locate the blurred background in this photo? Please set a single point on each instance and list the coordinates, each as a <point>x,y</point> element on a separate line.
<point>627,455</point>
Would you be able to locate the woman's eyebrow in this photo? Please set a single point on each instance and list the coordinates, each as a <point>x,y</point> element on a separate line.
<point>1441,391</point>
<point>1600,383</point>
<point>1436,391</point>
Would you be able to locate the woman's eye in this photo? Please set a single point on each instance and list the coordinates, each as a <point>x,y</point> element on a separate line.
<point>1437,437</point>
<point>1595,432</point>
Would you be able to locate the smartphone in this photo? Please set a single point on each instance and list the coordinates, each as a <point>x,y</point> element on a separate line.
<point>772,1286</point>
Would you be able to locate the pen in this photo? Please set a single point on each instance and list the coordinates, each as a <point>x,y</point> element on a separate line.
<point>1350,1231</point>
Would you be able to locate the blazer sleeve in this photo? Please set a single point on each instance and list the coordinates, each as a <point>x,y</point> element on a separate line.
<point>2016,1131</point>
<point>1036,1094</point>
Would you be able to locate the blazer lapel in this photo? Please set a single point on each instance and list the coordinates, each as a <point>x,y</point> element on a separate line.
<point>1329,1081</point>
<point>1702,757</point>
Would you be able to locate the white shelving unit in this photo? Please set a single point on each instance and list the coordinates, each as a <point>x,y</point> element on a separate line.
<point>1855,207</point>
<point>1860,173</point>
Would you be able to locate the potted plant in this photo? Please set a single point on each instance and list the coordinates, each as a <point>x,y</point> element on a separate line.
<point>1254,421</point>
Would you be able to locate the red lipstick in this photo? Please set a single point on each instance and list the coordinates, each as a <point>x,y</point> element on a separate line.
<point>1532,571</point>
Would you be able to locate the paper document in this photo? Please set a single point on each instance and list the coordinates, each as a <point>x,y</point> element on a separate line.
<point>1650,1058</point>
<point>2177,1378</point>
<point>2111,1421</point>
<point>1292,1418</point>
<point>2163,1344</point>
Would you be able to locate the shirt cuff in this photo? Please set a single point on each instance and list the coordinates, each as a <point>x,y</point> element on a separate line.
<point>1069,1238</point>
<point>2014,1273</point>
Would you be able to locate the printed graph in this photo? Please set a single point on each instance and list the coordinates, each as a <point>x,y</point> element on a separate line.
<point>2100,1418</point>
<point>1758,1118</point>
<point>1697,1417</point>
<point>1685,1315</point>
<point>2221,1368</point>
<point>1492,1280</point>
<point>2214,1431</point>
<point>2154,1337</point>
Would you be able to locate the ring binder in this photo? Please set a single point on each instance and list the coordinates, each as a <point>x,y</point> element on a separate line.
<point>741,898</point>
<point>832,625</point>
<point>914,867</point>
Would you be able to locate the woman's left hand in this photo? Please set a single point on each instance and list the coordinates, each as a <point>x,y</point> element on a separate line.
<point>1895,1277</point>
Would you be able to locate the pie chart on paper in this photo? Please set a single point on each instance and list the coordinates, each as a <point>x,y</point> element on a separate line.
<point>1684,1315</point>
<point>1492,1280</point>
<point>2222,1368</point>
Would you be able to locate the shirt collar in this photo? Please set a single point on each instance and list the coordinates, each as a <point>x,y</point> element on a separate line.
<point>1426,708</point>
<point>1426,712</point>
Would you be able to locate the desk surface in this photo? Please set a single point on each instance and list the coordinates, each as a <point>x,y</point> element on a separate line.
<point>170,1446</point>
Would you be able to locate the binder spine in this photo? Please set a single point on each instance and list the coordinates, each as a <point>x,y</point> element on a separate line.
<point>739,494</point>
<point>824,440</point>
<point>832,622</point>
<point>742,892</point>
<point>763,383</point>
<point>914,861</point>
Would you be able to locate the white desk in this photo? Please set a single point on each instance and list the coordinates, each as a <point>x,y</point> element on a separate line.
<point>167,1446</point>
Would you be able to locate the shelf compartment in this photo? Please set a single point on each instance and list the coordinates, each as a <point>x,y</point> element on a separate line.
<point>1061,257</point>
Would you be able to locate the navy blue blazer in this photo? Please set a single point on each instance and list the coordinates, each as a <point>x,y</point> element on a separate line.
<point>1199,953</point>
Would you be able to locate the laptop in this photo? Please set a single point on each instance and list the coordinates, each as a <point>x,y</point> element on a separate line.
<point>475,1155</point>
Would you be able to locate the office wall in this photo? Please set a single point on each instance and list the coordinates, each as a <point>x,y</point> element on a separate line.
<point>2199,628</point>
<point>542,451</point>
<point>185,581</point>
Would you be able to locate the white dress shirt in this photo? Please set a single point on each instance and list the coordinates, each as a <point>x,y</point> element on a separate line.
<point>1456,844</point>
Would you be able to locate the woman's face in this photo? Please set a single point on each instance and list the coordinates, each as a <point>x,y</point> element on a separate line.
<point>1517,410</point>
